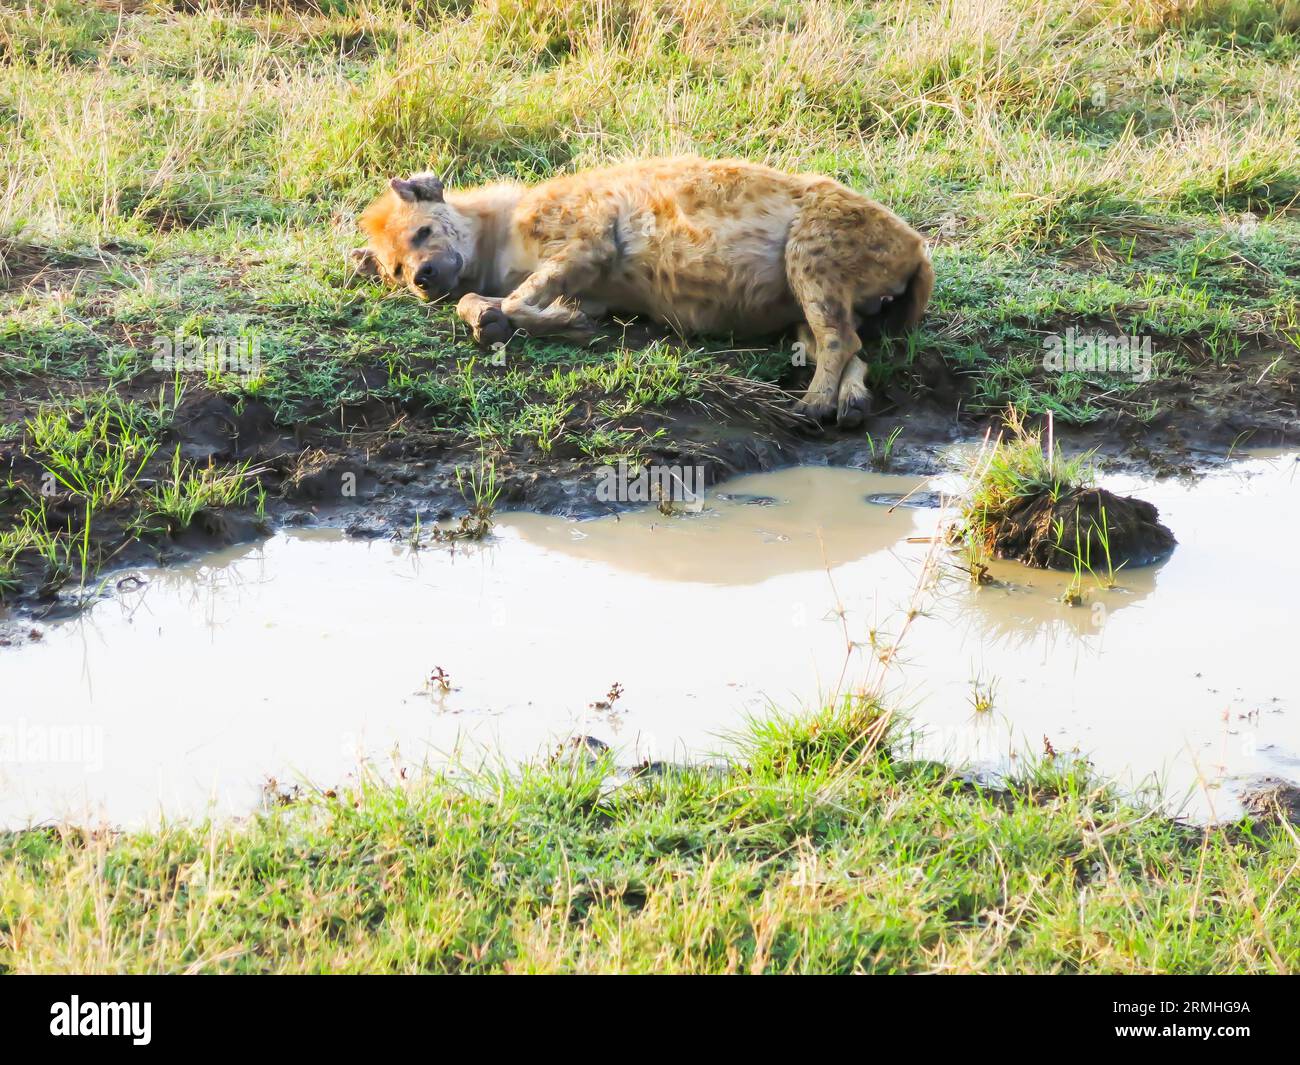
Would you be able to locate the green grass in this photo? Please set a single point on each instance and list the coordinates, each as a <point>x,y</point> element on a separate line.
<point>1019,467</point>
<point>84,495</point>
<point>177,500</point>
<point>824,849</point>
<point>95,452</point>
<point>480,491</point>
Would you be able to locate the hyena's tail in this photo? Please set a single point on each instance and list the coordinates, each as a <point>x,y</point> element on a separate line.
<point>914,301</point>
<point>903,312</point>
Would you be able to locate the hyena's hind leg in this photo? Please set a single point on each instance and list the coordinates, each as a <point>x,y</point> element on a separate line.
<point>853,400</point>
<point>858,271</point>
<point>830,340</point>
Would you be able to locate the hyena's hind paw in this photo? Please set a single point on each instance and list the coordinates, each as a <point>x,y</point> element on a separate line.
<point>485,318</point>
<point>855,398</point>
<point>816,406</point>
<point>848,404</point>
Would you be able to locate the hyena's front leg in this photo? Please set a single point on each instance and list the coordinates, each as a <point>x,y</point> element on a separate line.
<point>486,320</point>
<point>834,347</point>
<point>547,303</point>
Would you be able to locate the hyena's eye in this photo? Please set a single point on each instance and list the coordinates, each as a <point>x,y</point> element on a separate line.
<point>397,271</point>
<point>421,235</point>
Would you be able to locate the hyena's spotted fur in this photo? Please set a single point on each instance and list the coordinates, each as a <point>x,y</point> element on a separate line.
<point>704,246</point>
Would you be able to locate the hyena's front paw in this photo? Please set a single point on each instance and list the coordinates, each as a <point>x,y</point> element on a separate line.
<point>493,327</point>
<point>485,318</point>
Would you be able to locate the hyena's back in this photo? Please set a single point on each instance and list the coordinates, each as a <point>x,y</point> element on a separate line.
<point>720,246</point>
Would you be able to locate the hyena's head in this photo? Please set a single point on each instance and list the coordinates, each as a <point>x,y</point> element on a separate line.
<point>416,238</point>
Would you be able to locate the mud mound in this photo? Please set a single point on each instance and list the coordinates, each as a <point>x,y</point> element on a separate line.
<point>1273,800</point>
<point>1088,525</point>
<point>212,428</point>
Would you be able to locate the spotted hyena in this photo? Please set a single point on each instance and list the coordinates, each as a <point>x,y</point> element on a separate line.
<point>703,246</point>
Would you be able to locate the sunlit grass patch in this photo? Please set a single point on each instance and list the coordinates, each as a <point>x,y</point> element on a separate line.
<point>94,449</point>
<point>805,852</point>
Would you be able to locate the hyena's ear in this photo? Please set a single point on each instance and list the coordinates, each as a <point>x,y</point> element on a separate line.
<point>424,187</point>
<point>364,262</point>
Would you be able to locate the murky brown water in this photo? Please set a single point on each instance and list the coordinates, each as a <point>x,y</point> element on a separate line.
<point>298,657</point>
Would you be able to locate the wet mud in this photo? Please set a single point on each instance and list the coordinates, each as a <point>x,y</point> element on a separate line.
<point>1083,528</point>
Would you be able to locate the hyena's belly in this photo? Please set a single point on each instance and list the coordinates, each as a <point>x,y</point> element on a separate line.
<point>705,275</point>
<point>703,306</point>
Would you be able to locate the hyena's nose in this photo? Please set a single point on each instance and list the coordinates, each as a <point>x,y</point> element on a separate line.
<point>426,276</point>
<point>439,275</point>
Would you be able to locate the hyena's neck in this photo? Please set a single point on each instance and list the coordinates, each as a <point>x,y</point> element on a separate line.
<point>489,209</point>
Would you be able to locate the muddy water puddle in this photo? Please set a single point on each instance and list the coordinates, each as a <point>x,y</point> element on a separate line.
<point>303,657</point>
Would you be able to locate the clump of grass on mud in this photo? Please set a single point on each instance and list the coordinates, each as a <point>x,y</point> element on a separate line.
<point>1017,466</point>
<point>95,451</point>
<point>1027,501</point>
<point>89,477</point>
<point>173,504</point>
<point>1015,470</point>
<point>823,849</point>
<point>480,490</point>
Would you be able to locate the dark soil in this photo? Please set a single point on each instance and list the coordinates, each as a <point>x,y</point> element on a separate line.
<point>26,265</point>
<point>1084,526</point>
